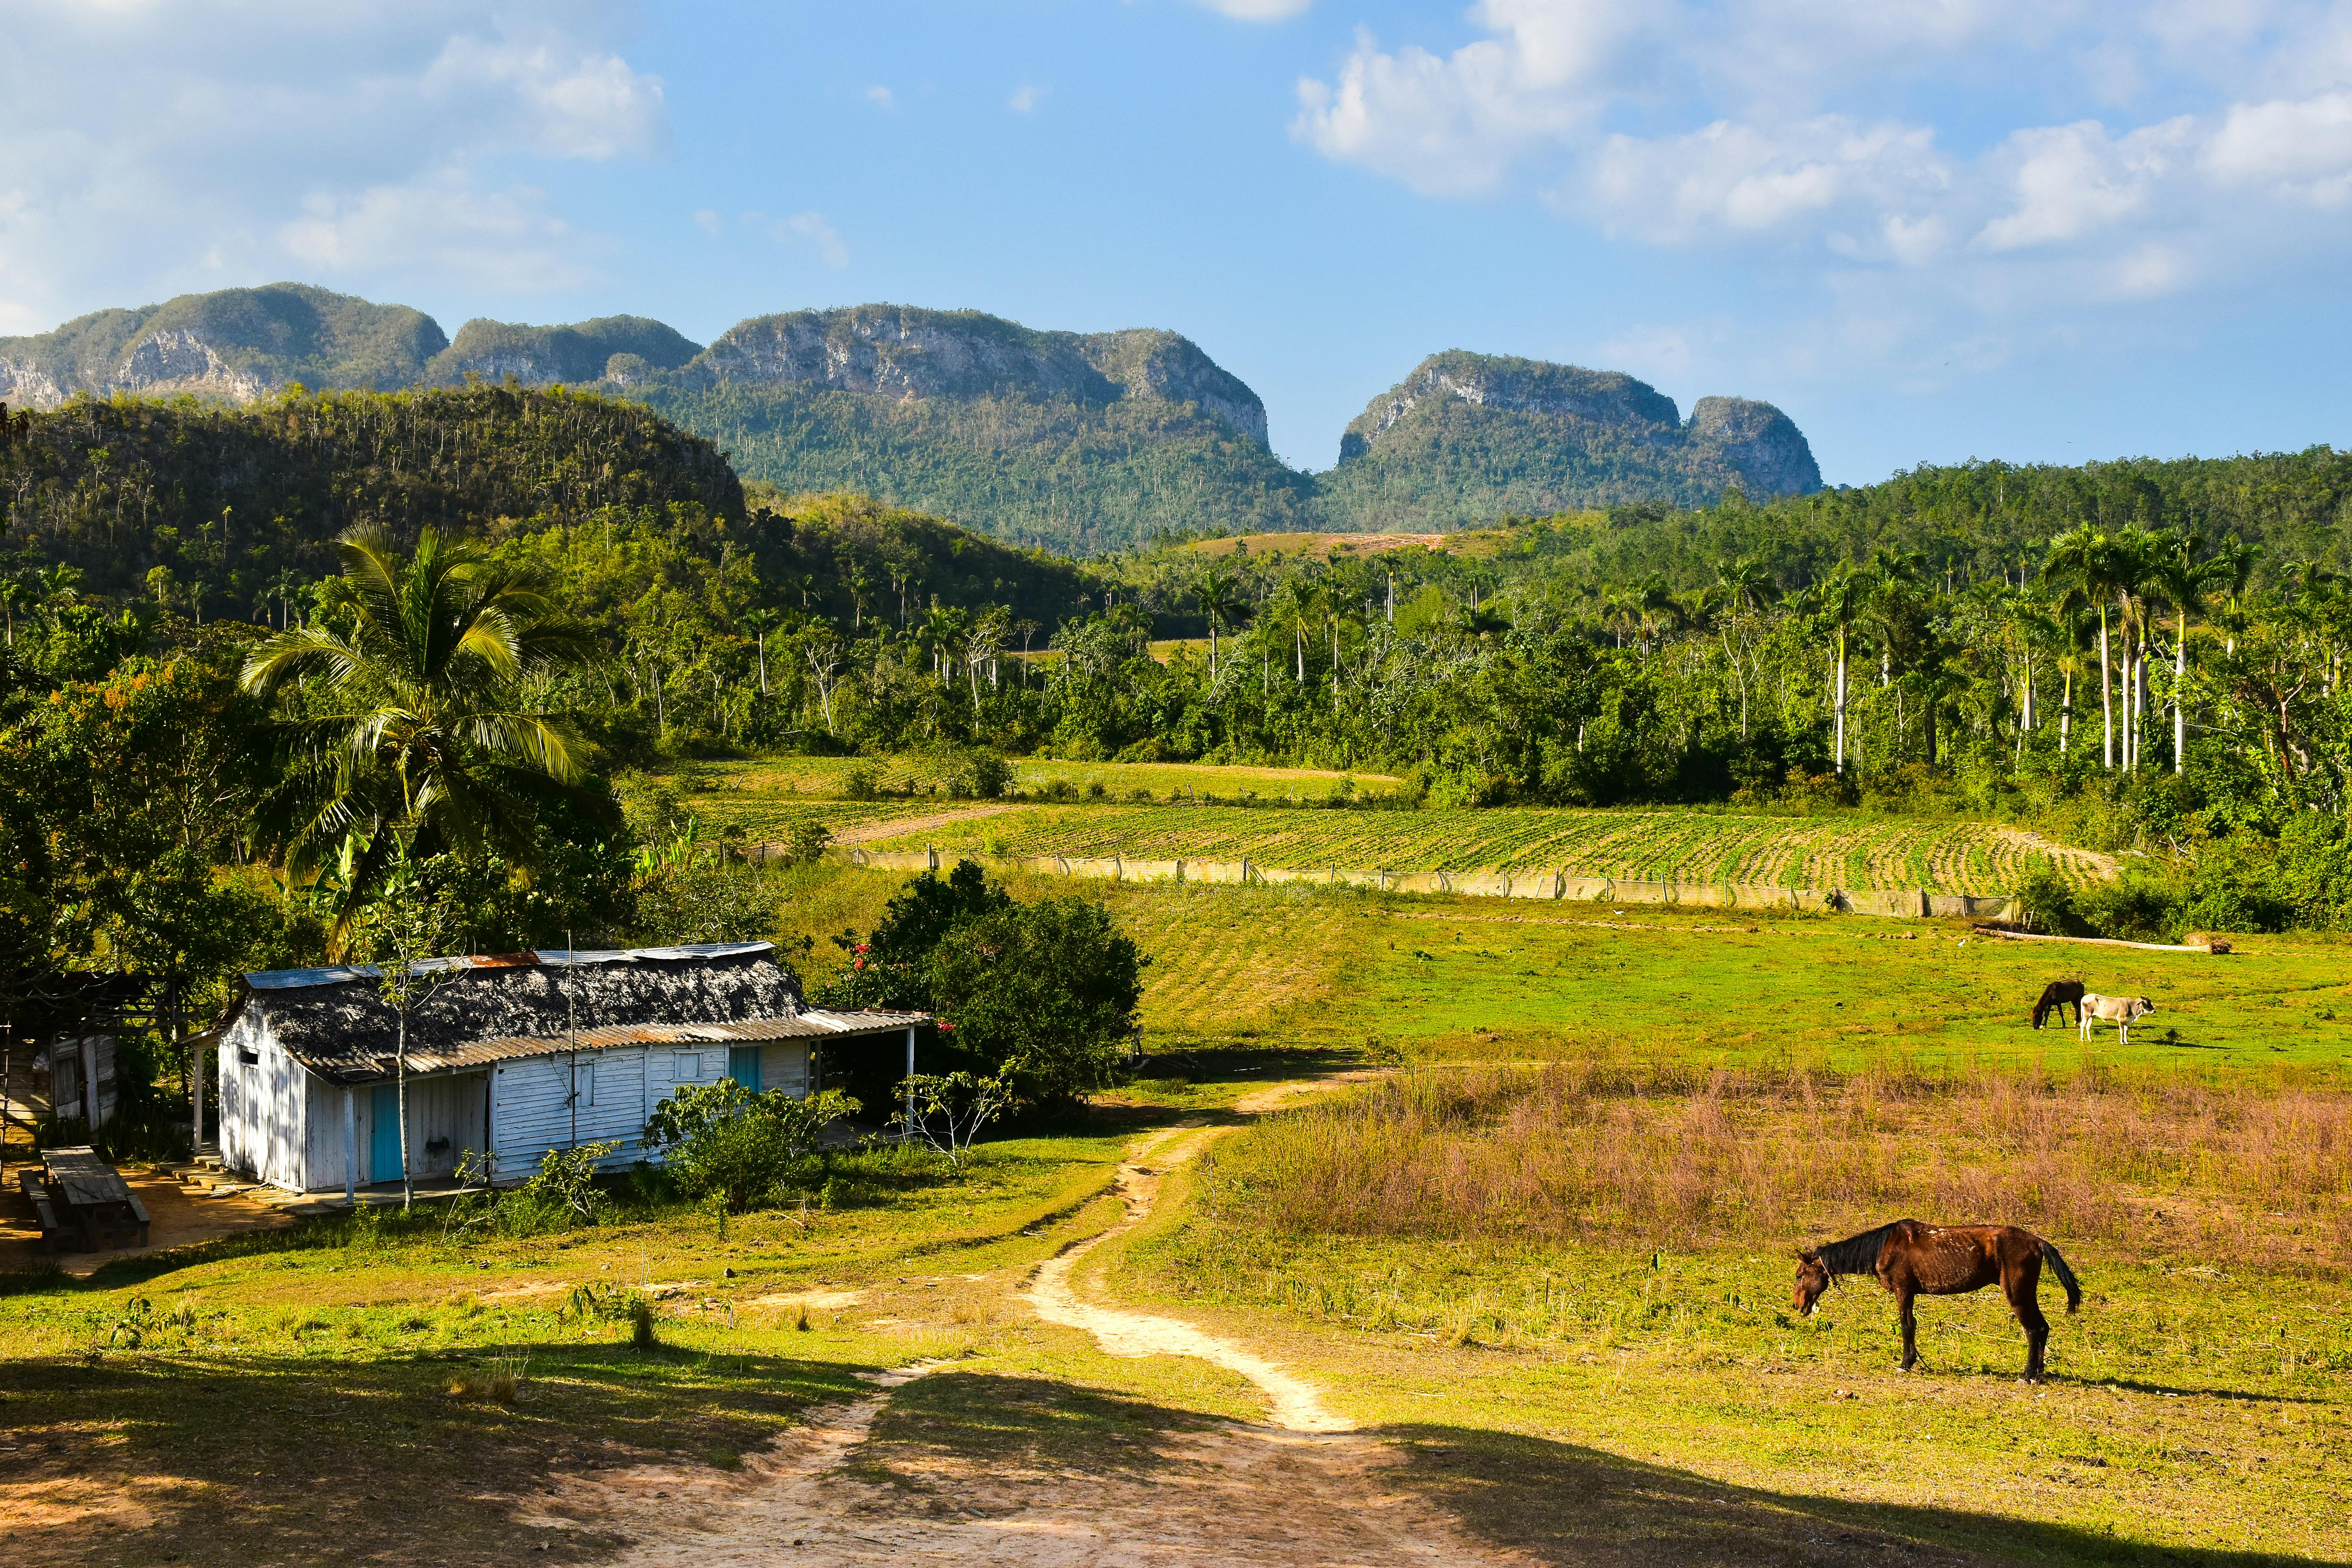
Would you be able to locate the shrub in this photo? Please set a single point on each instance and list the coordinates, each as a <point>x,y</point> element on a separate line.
<point>566,1186</point>
<point>861,782</point>
<point>806,840</point>
<point>735,1146</point>
<point>2047,903</point>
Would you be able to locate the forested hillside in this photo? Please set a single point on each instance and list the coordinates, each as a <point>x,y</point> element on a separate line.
<point>1064,476</point>
<point>223,510</point>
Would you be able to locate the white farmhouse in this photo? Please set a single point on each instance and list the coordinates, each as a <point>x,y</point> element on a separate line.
<point>512,1055</point>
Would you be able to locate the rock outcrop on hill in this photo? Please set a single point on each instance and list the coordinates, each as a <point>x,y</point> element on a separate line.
<point>1470,435</point>
<point>236,345</point>
<point>901,353</point>
<point>621,350</point>
<point>1081,441</point>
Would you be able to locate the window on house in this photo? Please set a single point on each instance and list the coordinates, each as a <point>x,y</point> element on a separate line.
<point>688,1068</point>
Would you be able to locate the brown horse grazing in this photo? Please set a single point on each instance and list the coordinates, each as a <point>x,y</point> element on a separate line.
<point>1912,1258</point>
<point>2054,997</point>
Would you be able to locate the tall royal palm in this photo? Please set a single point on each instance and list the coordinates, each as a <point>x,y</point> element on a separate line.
<point>2179,575</point>
<point>406,732</point>
<point>2084,559</point>
<point>1221,604</point>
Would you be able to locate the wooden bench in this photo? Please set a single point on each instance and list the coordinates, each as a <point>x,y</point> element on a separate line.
<point>36,1194</point>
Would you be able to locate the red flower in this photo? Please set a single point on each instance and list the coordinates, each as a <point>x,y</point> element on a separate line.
<point>859,964</point>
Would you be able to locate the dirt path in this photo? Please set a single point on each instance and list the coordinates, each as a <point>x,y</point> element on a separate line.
<point>1297,1406</point>
<point>1304,1491</point>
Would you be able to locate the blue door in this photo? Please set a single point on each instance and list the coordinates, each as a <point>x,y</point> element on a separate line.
<point>383,1133</point>
<point>743,1066</point>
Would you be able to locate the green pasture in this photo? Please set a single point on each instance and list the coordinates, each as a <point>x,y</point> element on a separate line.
<point>262,1397</point>
<point>1382,976</point>
<point>1844,990</point>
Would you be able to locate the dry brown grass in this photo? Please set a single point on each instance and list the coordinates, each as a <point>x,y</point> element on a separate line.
<point>1587,1149</point>
<point>495,1381</point>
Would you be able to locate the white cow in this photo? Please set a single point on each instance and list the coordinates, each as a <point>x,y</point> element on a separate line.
<point>2120,1011</point>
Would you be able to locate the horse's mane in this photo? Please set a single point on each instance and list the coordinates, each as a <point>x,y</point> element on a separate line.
<point>1855,1254</point>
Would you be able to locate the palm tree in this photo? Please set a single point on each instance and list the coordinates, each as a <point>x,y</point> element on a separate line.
<point>1301,598</point>
<point>2232,569</point>
<point>2134,564</point>
<point>409,727</point>
<point>760,622</point>
<point>1219,602</point>
<point>2084,559</point>
<point>1843,594</point>
<point>2177,573</point>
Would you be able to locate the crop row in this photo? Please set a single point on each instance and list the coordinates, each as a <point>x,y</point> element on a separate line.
<point>1663,845</point>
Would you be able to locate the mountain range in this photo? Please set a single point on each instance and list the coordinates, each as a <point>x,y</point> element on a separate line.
<point>1082,442</point>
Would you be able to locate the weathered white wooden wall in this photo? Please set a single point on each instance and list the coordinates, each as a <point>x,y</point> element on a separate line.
<point>451,1108</point>
<point>262,1105</point>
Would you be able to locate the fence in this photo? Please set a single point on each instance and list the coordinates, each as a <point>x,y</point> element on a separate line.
<point>1911,904</point>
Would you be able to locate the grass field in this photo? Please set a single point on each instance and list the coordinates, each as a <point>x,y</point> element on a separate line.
<point>1457,978</point>
<point>1664,846</point>
<point>1565,1313</point>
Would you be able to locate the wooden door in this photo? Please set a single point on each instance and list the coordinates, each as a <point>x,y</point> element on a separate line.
<point>383,1133</point>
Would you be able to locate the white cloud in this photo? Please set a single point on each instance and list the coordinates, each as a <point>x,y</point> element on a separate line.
<point>1259,10</point>
<point>502,240</point>
<point>566,103</point>
<point>2175,145</point>
<point>2070,180</point>
<point>164,145</point>
<point>882,96</point>
<point>1025,98</point>
<point>1742,179</point>
<point>709,222</point>
<point>2303,149</point>
<point>810,230</point>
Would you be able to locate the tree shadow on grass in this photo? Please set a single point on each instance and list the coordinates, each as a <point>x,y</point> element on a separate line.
<point>959,1447</point>
<point>206,1457</point>
<point>1559,1503</point>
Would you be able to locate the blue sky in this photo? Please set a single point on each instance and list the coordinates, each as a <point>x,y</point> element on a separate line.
<point>1928,229</point>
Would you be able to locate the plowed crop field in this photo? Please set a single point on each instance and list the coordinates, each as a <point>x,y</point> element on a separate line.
<point>1661,845</point>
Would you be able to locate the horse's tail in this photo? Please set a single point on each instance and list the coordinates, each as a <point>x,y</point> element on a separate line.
<point>2057,1261</point>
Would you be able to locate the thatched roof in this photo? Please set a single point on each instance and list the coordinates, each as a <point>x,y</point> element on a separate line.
<point>475,1011</point>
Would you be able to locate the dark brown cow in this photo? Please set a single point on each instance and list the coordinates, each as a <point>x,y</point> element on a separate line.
<point>1912,1259</point>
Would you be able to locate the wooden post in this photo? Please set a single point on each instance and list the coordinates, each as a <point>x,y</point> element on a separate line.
<point>910,1088</point>
<point>351,1149</point>
<point>89,1081</point>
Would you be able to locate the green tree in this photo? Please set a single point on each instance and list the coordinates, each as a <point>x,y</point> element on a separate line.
<point>1221,604</point>
<point>2181,576</point>
<point>1044,993</point>
<point>404,728</point>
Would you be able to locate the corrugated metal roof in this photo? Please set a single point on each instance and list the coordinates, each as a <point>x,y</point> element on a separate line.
<point>748,1031</point>
<point>296,979</point>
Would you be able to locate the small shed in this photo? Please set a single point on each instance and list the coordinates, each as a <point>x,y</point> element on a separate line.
<point>512,1055</point>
